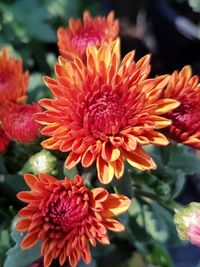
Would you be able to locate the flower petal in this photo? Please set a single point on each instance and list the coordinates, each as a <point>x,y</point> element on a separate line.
<point>115,205</point>
<point>165,105</point>
<point>105,170</point>
<point>29,240</point>
<point>113,225</point>
<point>109,152</point>
<point>72,160</point>
<point>139,159</point>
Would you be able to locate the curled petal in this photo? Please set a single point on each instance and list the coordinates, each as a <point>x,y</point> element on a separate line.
<point>115,205</point>
<point>109,152</point>
<point>105,170</point>
<point>72,160</point>
<point>139,159</point>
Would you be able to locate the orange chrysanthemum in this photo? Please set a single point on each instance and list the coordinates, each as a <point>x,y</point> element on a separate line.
<point>13,81</point>
<point>185,88</point>
<point>93,31</point>
<point>105,111</point>
<point>4,141</point>
<point>65,215</point>
<point>18,122</point>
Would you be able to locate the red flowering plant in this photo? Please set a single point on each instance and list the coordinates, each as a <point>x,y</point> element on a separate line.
<point>96,154</point>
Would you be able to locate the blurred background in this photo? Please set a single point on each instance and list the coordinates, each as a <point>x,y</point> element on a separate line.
<point>167,29</point>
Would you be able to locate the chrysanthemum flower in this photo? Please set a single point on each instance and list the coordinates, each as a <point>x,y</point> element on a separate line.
<point>187,220</point>
<point>185,88</point>
<point>92,31</point>
<point>13,81</point>
<point>66,216</point>
<point>4,141</point>
<point>105,111</point>
<point>18,122</point>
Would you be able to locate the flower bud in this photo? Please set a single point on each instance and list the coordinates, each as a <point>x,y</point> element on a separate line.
<point>42,162</point>
<point>187,220</point>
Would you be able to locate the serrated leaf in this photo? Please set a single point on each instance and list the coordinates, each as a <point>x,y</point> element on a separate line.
<point>16,257</point>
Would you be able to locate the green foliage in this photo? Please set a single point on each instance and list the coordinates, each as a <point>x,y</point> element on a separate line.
<point>18,257</point>
<point>70,173</point>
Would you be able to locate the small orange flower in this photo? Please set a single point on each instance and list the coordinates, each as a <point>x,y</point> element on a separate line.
<point>13,82</point>
<point>66,216</point>
<point>105,111</point>
<point>4,141</point>
<point>93,31</point>
<point>18,122</point>
<point>185,88</point>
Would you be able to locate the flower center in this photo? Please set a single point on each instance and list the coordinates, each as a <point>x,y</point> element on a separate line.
<point>65,211</point>
<point>106,115</point>
<point>186,116</point>
<point>86,37</point>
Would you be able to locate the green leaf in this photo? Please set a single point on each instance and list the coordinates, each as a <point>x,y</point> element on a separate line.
<point>70,173</point>
<point>3,169</point>
<point>123,185</point>
<point>10,185</point>
<point>182,159</point>
<point>21,258</point>
<point>160,256</point>
<point>195,4</point>
<point>92,264</point>
<point>37,88</point>
<point>31,24</point>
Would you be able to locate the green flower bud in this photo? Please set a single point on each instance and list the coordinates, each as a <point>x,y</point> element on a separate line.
<point>42,162</point>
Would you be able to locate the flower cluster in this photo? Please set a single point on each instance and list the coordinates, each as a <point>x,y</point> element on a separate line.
<point>104,110</point>
<point>16,119</point>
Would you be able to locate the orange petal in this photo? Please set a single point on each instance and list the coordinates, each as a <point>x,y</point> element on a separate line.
<point>99,194</point>
<point>47,178</point>
<point>165,105</point>
<point>88,158</point>
<point>139,159</point>
<point>74,257</point>
<point>109,152</point>
<point>66,145</point>
<point>29,240</point>
<point>31,180</point>
<point>119,167</point>
<point>160,121</point>
<point>115,205</point>
<point>113,225</point>
<point>103,239</point>
<point>72,160</point>
<point>51,143</point>
<point>23,224</point>
<point>86,254</point>
<point>105,170</point>
<point>48,257</point>
<point>27,196</point>
<point>157,138</point>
